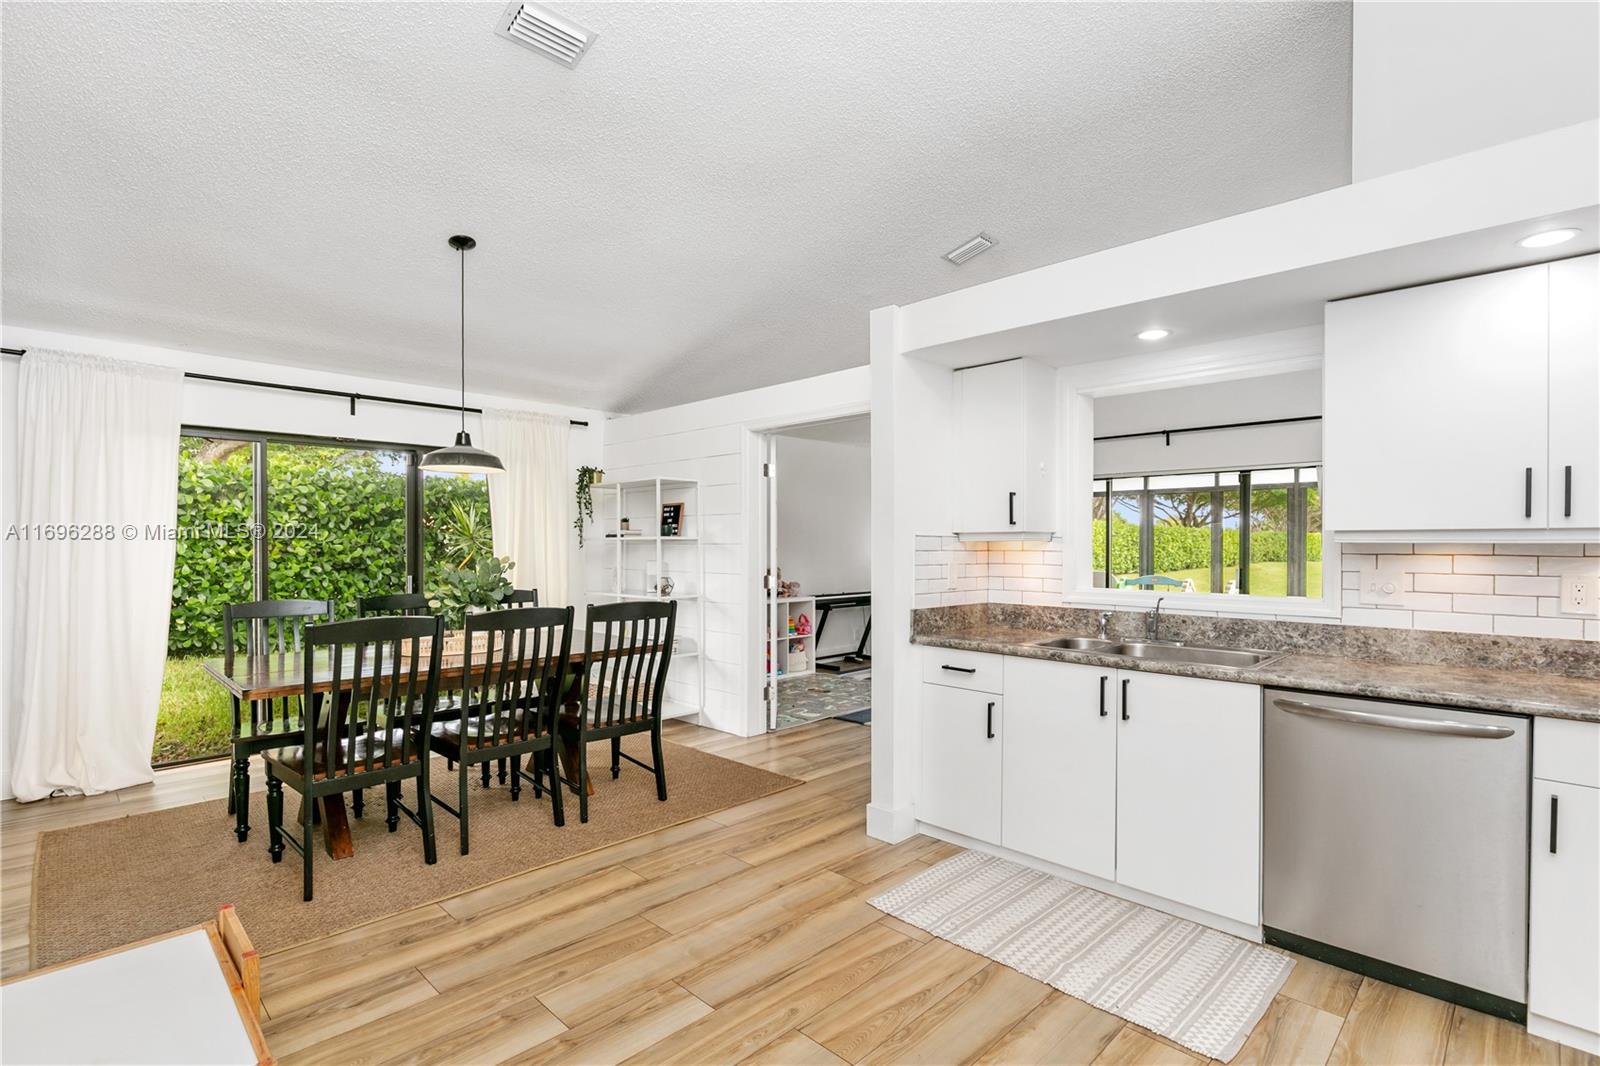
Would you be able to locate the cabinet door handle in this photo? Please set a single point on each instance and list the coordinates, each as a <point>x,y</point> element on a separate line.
<point>1125,698</point>
<point>989,724</point>
<point>1011,508</point>
<point>1553,812</point>
<point>1527,493</point>
<point>960,669</point>
<point>1103,680</point>
<point>1567,511</point>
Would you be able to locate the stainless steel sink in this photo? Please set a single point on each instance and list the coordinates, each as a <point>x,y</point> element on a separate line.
<point>1173,653</point>
<point>1077,644</point>
<point>1164,651</point>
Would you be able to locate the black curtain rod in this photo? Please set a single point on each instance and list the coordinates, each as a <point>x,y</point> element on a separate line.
<point>351,396</point>
<point>1167,433</point>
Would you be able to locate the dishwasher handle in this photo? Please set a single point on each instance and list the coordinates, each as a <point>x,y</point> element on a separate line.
<point>1388,721</point>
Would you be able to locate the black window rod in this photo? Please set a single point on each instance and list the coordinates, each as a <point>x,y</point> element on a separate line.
<point>351,396</point>
<point>1167,433</point>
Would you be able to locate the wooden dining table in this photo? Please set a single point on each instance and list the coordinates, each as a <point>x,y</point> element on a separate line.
<point>274,675</point>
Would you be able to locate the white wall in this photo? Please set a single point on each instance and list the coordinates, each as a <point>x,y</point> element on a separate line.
<point>268,410</point>
<point>714,442</point>
<point>1221,403</point>
<point>825,526</point>
<point>1432,80</point>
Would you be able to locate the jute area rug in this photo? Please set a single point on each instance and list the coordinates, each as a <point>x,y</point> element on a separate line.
<point>109,883</point>
<point>1195,986</point>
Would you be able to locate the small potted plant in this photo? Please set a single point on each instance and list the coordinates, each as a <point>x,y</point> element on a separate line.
<point>483,585</point>
<point>587,476</point>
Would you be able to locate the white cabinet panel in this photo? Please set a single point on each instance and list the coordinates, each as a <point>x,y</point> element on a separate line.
<point>1564,905</point>
<point>1189,792</point>
<point>1574,393</point>
<point>1005,451</point>
<point>959,784</point>
<point>1436,406</point>
<point>1060,768</point>
<point>963,669</point>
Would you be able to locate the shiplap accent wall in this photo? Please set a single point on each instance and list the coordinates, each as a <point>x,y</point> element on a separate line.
<point>1509,589</point>
<point>714,442</point>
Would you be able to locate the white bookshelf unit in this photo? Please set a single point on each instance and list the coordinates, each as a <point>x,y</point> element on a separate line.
<point>795,654</point>
<point>631,563</point>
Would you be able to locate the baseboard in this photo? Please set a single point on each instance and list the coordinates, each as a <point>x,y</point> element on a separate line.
<point>1562,1033</point>
<point>1232,926</point>
<point>890,824</point>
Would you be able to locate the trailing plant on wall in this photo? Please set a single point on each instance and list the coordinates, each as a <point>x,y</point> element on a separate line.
<point>587,476</point>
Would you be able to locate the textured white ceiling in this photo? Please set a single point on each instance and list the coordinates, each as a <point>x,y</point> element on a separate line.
<point>712,201</point>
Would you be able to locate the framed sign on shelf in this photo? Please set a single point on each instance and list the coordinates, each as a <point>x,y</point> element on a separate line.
<point>672,519</point>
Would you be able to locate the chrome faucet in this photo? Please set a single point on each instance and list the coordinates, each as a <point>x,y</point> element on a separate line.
<point>1152,625</point>
<point>1105,621</point>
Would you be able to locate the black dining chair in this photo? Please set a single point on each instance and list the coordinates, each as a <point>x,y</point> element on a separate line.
<point>272,627</point>
<point>374,728</point>
<point>403,603</point>
<point>510,698</point>
<point>521,598</point>
<point>620,687</point>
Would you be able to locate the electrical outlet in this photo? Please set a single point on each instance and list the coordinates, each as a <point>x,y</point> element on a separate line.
<point>1383,585</point>
<point>1578,594</point>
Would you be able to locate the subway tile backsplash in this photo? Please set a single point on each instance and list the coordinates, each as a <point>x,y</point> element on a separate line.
<point>952,572</point>
<point>1504,589</point>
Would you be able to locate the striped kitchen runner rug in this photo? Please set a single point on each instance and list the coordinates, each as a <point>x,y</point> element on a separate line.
<point>1195,986</point>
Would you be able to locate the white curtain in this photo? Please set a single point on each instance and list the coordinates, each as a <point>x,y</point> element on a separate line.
<point>530,505</point>
<point>97,493</point>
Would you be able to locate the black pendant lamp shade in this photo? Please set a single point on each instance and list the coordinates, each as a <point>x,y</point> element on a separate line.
<point>461,457</point>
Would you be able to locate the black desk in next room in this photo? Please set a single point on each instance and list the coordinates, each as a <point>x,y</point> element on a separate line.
<point>852,661</point>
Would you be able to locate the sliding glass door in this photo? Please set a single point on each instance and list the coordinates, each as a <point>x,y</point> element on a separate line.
<point>267,517</point>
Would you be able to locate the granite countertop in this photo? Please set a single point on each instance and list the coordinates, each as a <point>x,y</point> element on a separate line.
<point>1473,688</point>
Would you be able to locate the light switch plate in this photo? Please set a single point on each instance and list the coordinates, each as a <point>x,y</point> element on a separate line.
<point>1578,595</point>
<point>1383,586</point>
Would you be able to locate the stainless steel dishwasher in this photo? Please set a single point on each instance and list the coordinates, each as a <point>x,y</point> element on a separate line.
<point>1396,842</point>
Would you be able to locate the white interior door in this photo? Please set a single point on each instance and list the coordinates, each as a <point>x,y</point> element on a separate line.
<point>769,481</point>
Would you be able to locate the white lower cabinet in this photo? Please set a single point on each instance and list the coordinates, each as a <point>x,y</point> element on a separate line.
<point>1189,792</point>
<point>1059,781</point>
<point>959,784</point>
<point>1564,886</point>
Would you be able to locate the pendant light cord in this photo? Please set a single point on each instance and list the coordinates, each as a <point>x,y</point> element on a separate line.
<point>463,340</point>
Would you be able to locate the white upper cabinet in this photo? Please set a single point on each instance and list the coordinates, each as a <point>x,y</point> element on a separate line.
<point>1574,394</point>
<point>1459,406</point>
<point>1060,765</point>
<point>1005,449</point>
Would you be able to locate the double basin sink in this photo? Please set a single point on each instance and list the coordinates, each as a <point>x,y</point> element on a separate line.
<point>1162,651</point>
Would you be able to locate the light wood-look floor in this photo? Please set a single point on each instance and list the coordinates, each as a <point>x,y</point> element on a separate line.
<point>743,937</point>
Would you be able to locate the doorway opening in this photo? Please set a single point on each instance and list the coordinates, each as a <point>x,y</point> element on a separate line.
<point>817,548</point>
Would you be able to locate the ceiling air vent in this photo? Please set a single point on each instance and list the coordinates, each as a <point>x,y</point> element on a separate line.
<point>537,27</point>
<point>977,246</point>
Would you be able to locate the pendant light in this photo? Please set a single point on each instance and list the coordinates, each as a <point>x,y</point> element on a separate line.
<point>461,457</point>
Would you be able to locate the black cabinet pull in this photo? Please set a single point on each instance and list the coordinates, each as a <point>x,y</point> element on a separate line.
<point>1553,824</point>
<point>960,669</point>
<point>1103,680</point>
<point>1011,508</point>
<point>1125,698</point>
<point>1569,493</point>
<point>1527,493</point>
<point>989,725</point>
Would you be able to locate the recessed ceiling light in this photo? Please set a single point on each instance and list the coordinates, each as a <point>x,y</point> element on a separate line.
<point>1155,334</point>
<point>1548,238</point>
<point>977,246</point>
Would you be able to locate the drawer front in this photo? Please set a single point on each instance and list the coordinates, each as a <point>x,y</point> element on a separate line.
<point>1564,750</point>
<point>973,670</point>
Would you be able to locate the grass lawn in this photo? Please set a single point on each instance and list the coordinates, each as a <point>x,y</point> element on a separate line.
<point>1266,579</point>
<point>196,716</point>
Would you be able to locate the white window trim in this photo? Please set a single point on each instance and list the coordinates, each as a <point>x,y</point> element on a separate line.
<point>1276,353</point>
